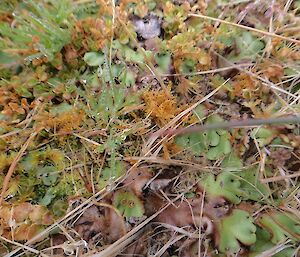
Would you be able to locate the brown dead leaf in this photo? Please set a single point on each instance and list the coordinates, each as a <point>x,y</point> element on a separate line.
<point>103,221</point>
<point>23,221</point>
<point>21,212</point>
<point>159,184</point>
<point>180,214</point>
<point>40,215</point>
<point>137,179</point>
<point>25,232</point>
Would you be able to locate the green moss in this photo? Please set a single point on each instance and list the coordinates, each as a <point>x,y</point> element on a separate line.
<point>49,23</point>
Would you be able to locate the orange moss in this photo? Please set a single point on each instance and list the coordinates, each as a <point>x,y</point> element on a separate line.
<point>246,86</point>
<point>92,34</point>
<point>12,103</point>
<point>185,46</point>
<point>170,148</point>
<point>160,105</point>
<point>63,123</point>
<point>273,71</point>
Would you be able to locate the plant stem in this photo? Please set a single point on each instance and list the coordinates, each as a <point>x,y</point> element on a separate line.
<point>236,124</point>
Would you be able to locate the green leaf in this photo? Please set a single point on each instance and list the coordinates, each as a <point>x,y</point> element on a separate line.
<point>263,243</point>
<point>48,174</point>
<point>188,66</point>
<point>281,226</point>
<point>111,173</point>
<point>127,78</point>
<point>151,4</point>
<point>225,35</point>
<point>214,142</point>
<point>94,59</point>
<point>263,136</point>
<point>249,46</point>
<point>128,204</point>
<point>48,197</point>
<point>214,153</point>
<point>213,119</point>
<point>163,61</point>
<point>225,144</point>
<point>223,148</point>
<point>193,141</point>
<point>225,185</point>
<point>59,207</point>
<point>129,54</point>
<point>252,186</point>
<point>232,163</point>
<point>24,92</point>
<point>182,140</point>
<point>213,138</point>
<point>200,112</point>
<point>235,229</point>
<point>216,119</point>
<point>197,143</point>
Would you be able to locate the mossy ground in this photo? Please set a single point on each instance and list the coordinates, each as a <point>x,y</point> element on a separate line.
<point>88,89</point>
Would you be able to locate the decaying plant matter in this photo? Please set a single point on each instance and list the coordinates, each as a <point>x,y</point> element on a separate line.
<point>149,128</point>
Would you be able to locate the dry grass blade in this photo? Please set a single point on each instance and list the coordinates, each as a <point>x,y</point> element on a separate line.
<point>203,72</point>
<point>87,139</point>
<point>179,230</point>
<point>30,249</point>
<point>266,33</point>
<point>168,244</point>
<point>279,178</point>
<point>13,166</point>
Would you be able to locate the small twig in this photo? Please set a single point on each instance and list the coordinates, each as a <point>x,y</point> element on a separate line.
<point>266,33</point>
<point>13,166</point>
<point>11,133</point>
<point>30,249</point>
<point>202,72</point>
<point>234,124</point>
<point>279,178</point>
<point>87,139</point>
